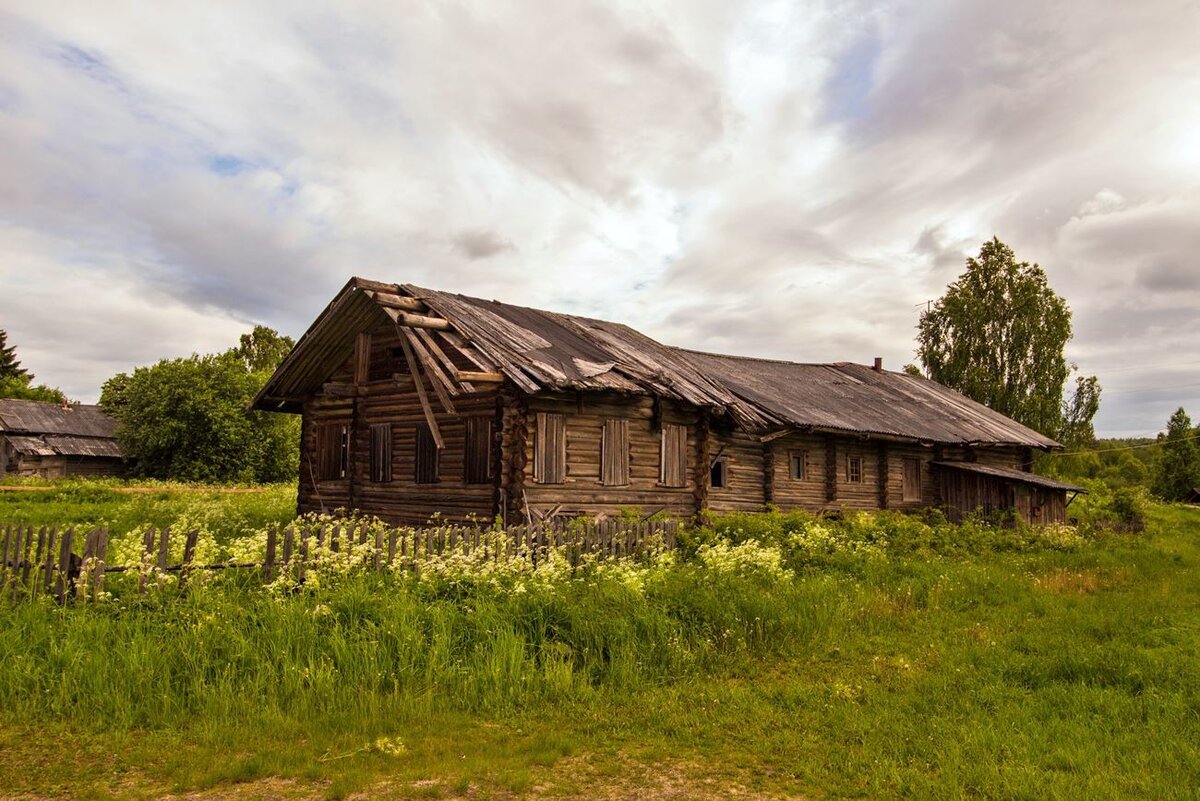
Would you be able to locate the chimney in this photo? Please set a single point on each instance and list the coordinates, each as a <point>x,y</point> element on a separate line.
<point>878,364</point>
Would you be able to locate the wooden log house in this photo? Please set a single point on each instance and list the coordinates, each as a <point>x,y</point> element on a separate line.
<point>418,403</point>
<point>54,440</point>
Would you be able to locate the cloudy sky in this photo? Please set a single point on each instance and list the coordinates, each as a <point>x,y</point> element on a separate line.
<point>789,179</point>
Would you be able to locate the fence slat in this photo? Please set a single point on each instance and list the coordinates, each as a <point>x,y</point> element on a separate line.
<point>63,585</point>
<point>163,539</point>
<point>148,538</point>
<point>269,556</point>
<point>47,558</point>
<point>392,535</point>
<point>189,556</point>
<point>101,564</point>
<point>4,563</point>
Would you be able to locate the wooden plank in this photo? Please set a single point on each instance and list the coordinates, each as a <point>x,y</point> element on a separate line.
<point>189,556</point>
<point>393,534</point>
<point>63,585</point>
<point>362,358</point>
<point>148,538</point>
<point>101,564</point>
<point>400,302</point>
<point>422,321</point>
<point>4,556</point>
<point>47,559</point>
<point>43,560</point>
<point>269,556</point>
<point>449,369</point>
<point>469,350</point>
<point>27,564</point>
<point>164,539</point>
<point>479,377</point>
<point>441,384</point>
<point>420,386</point>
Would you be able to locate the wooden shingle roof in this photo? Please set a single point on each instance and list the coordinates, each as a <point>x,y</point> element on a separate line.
<point>544,351</point>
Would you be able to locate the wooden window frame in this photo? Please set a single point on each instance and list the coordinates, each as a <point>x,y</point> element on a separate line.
<point>679,433</point>
<point>720,464</point>
<point>425,445</point>
<point>802,473</point>
<point>854,464</point>
<point>614,452</point>
<point>550,452</point>
<point>380,468</point>
<point>330,437</point>
<point>477,433</point>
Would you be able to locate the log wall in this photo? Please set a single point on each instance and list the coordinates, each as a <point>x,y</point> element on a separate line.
<point>394,400</point>
<point>582,491</point>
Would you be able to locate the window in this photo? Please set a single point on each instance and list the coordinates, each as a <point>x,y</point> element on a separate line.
<point>911,487</point>
<point>718,474</point>
<point>550,449</point>
<point>614,453</point>
<point>477,459</point>
<point>798,465</point>
<point>333,451</point>
<point>426,462</point>
<point>854,470</point>
<point>673,456</point>
<point>381,452</point>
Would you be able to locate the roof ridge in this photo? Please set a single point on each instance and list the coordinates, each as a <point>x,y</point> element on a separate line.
<point>773,361</point>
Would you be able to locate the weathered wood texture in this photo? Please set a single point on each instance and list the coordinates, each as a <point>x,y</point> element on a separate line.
<point>389,397</point>
<point>582,490</point>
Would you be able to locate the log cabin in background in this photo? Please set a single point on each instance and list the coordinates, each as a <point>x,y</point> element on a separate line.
<point>53,440</point>
<point>417,403</point>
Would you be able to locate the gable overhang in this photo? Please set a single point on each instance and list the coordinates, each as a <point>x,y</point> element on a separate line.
<point>327,343</point>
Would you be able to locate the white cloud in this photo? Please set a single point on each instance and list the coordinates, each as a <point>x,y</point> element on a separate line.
<point>794,180</point>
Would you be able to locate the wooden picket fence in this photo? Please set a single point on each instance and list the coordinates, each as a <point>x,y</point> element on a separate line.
<point>41,561</point>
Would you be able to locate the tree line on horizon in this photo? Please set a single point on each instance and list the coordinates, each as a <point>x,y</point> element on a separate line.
<point>998,335</point>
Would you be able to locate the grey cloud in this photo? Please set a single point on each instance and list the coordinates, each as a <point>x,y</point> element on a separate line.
<point>480,243</point>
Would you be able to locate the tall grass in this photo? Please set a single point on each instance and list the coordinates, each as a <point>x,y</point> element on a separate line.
<point>877,656</point>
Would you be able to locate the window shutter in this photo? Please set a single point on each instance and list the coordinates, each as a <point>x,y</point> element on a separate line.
<point>614,453</point>
<point>550,449</point>
<point>333,449</point>
<point>911,490</point>
<point>673,456</point>
<point>381,452</point>
<point>426,462</point>
<point>477,460</point>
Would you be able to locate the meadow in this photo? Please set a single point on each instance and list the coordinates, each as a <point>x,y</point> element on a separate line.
<point>772,655</point>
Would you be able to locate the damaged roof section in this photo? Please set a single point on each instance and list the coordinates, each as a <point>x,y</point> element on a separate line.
<point>543,351</point>
<point>35,428</point>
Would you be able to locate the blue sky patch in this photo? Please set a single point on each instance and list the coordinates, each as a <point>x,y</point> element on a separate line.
<point>848,90</point>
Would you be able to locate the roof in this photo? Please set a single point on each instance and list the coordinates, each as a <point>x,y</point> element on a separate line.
<point>34,428</point>
<point>1011,474</point>
<point>541,351</point>
<point>37,417</point>
<point>857,398</point>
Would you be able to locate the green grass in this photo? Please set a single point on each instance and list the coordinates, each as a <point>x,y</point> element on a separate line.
<point>103,503</point>
<point>1009,667</point>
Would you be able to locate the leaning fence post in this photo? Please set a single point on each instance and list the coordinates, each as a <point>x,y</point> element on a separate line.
<point>18,543</point>
<point>101,564</point>
<point>189,555</point>
<point>392,535</point>
<point>64,565</point>
<point>148,537</point>
<point>162,548</point>
<point>4,563</point>
<point>85,565</point>
<point>304,532</point>
<point>269,558</point>
<point>47,567</point>
<point>378,558</point>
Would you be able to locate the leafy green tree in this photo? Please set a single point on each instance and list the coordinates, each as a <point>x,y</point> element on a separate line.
<point>1078,411</point>
<point>263,349</point>
<point>10,367</point>
<point>1177,470</point>
<point>22,389</point>
<point>998,336</point>
<point>186,418</point>
<point>17,382</point>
